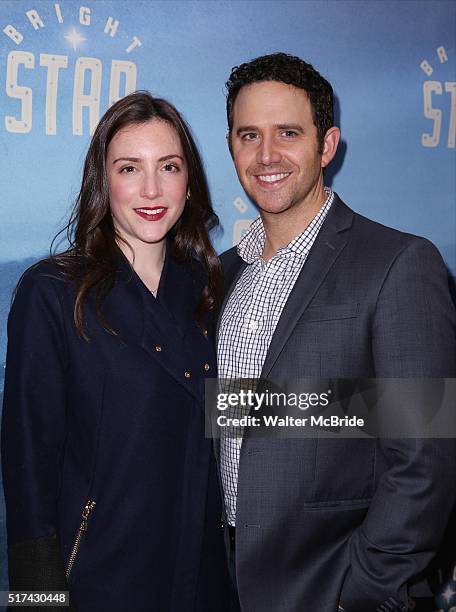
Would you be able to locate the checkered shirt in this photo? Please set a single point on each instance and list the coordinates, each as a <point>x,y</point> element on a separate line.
<point>249,321</point>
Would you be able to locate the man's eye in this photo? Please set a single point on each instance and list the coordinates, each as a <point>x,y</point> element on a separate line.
<point>289,133</point>
<point>249,136</point>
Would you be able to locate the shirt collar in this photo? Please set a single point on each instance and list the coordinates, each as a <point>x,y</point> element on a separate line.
<point>250,248</point>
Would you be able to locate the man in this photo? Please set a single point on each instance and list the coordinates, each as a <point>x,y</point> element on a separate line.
<point>316,290</point>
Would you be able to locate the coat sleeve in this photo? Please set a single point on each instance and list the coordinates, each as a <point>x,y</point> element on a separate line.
<point>413,337</point>
<point>33,432</point>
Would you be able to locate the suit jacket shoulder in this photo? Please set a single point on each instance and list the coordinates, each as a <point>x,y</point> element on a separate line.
<point>377,235</point>
<point>368,239</point>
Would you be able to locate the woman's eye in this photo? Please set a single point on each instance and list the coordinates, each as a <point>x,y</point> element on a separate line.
<point>128,169</point>
<point>171,168</point>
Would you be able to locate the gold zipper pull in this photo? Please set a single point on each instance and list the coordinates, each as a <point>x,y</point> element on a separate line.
<point>90,505</point>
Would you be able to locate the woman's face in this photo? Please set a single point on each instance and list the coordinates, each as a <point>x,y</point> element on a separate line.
<point>147,178</point>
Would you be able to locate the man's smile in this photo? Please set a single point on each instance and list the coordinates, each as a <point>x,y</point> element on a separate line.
<point>271,180</point>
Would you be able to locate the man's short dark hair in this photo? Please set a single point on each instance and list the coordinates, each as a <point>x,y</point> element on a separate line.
<point>288,69</point>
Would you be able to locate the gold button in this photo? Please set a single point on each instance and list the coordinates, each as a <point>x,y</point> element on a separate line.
<point>158,348</point>
<point>187,374</point>
<point>207,367</point>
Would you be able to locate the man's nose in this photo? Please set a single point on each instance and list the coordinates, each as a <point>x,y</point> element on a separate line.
<point>268,152</point>
<point>150,188</point>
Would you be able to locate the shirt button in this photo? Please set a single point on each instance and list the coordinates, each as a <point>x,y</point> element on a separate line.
<point>187,374</point>
<point>253,325</point>
<point>207,367</point>
<point>158,348</point>
<point>205,332</point>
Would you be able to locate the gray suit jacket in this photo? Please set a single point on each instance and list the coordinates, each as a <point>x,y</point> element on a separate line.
<point>323,521</point>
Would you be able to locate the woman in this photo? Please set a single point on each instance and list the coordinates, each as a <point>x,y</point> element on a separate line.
<point>109,481</point>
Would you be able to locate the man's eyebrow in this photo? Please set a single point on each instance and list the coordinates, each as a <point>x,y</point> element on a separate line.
<point>290,126</point>
<point>138,159</point>
<point>278,126</point>
<point>245,128</point>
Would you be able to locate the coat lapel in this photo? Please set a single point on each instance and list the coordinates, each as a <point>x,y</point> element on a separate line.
<point>178,294</point>
<point>327,247</point>
<point>170,324</point>
<point>162,326</point>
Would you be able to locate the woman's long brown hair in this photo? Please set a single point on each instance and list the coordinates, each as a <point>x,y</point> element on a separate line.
<point>92,259</point>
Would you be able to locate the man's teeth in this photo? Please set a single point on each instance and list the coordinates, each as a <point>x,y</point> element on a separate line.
<point>271,178</point>
<point>147,211</point>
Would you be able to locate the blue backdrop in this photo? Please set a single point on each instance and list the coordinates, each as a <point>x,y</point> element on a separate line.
<point>392,65</point>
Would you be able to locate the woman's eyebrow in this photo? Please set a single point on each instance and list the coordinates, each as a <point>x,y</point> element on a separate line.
<point>131,159</point>
<point>137,159</point>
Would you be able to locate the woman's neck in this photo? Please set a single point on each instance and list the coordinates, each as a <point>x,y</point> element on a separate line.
<point>147,261</point>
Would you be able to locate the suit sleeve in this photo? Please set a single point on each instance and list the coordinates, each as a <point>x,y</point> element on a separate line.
<point>413,337</point>
<point>33,433</point>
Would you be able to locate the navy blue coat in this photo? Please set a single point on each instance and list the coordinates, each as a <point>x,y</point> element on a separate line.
<point>118,421</point>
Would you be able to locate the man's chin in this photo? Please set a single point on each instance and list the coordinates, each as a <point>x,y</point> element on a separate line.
<point>267,202</point>
<point>272,208</point>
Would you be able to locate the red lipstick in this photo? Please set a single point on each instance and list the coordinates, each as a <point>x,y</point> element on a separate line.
<point>151,213</point>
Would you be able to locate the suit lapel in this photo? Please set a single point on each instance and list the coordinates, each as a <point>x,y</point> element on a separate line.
<point>327,247</point>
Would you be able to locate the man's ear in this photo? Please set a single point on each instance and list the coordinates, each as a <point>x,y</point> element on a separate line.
<point>228,140</point>
<point>330,142</point>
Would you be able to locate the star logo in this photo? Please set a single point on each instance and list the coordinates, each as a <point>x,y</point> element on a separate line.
<point>448,594</point>
<point>75,39</point>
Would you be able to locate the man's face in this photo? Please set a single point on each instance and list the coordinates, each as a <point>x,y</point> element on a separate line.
<point>275,147</point>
